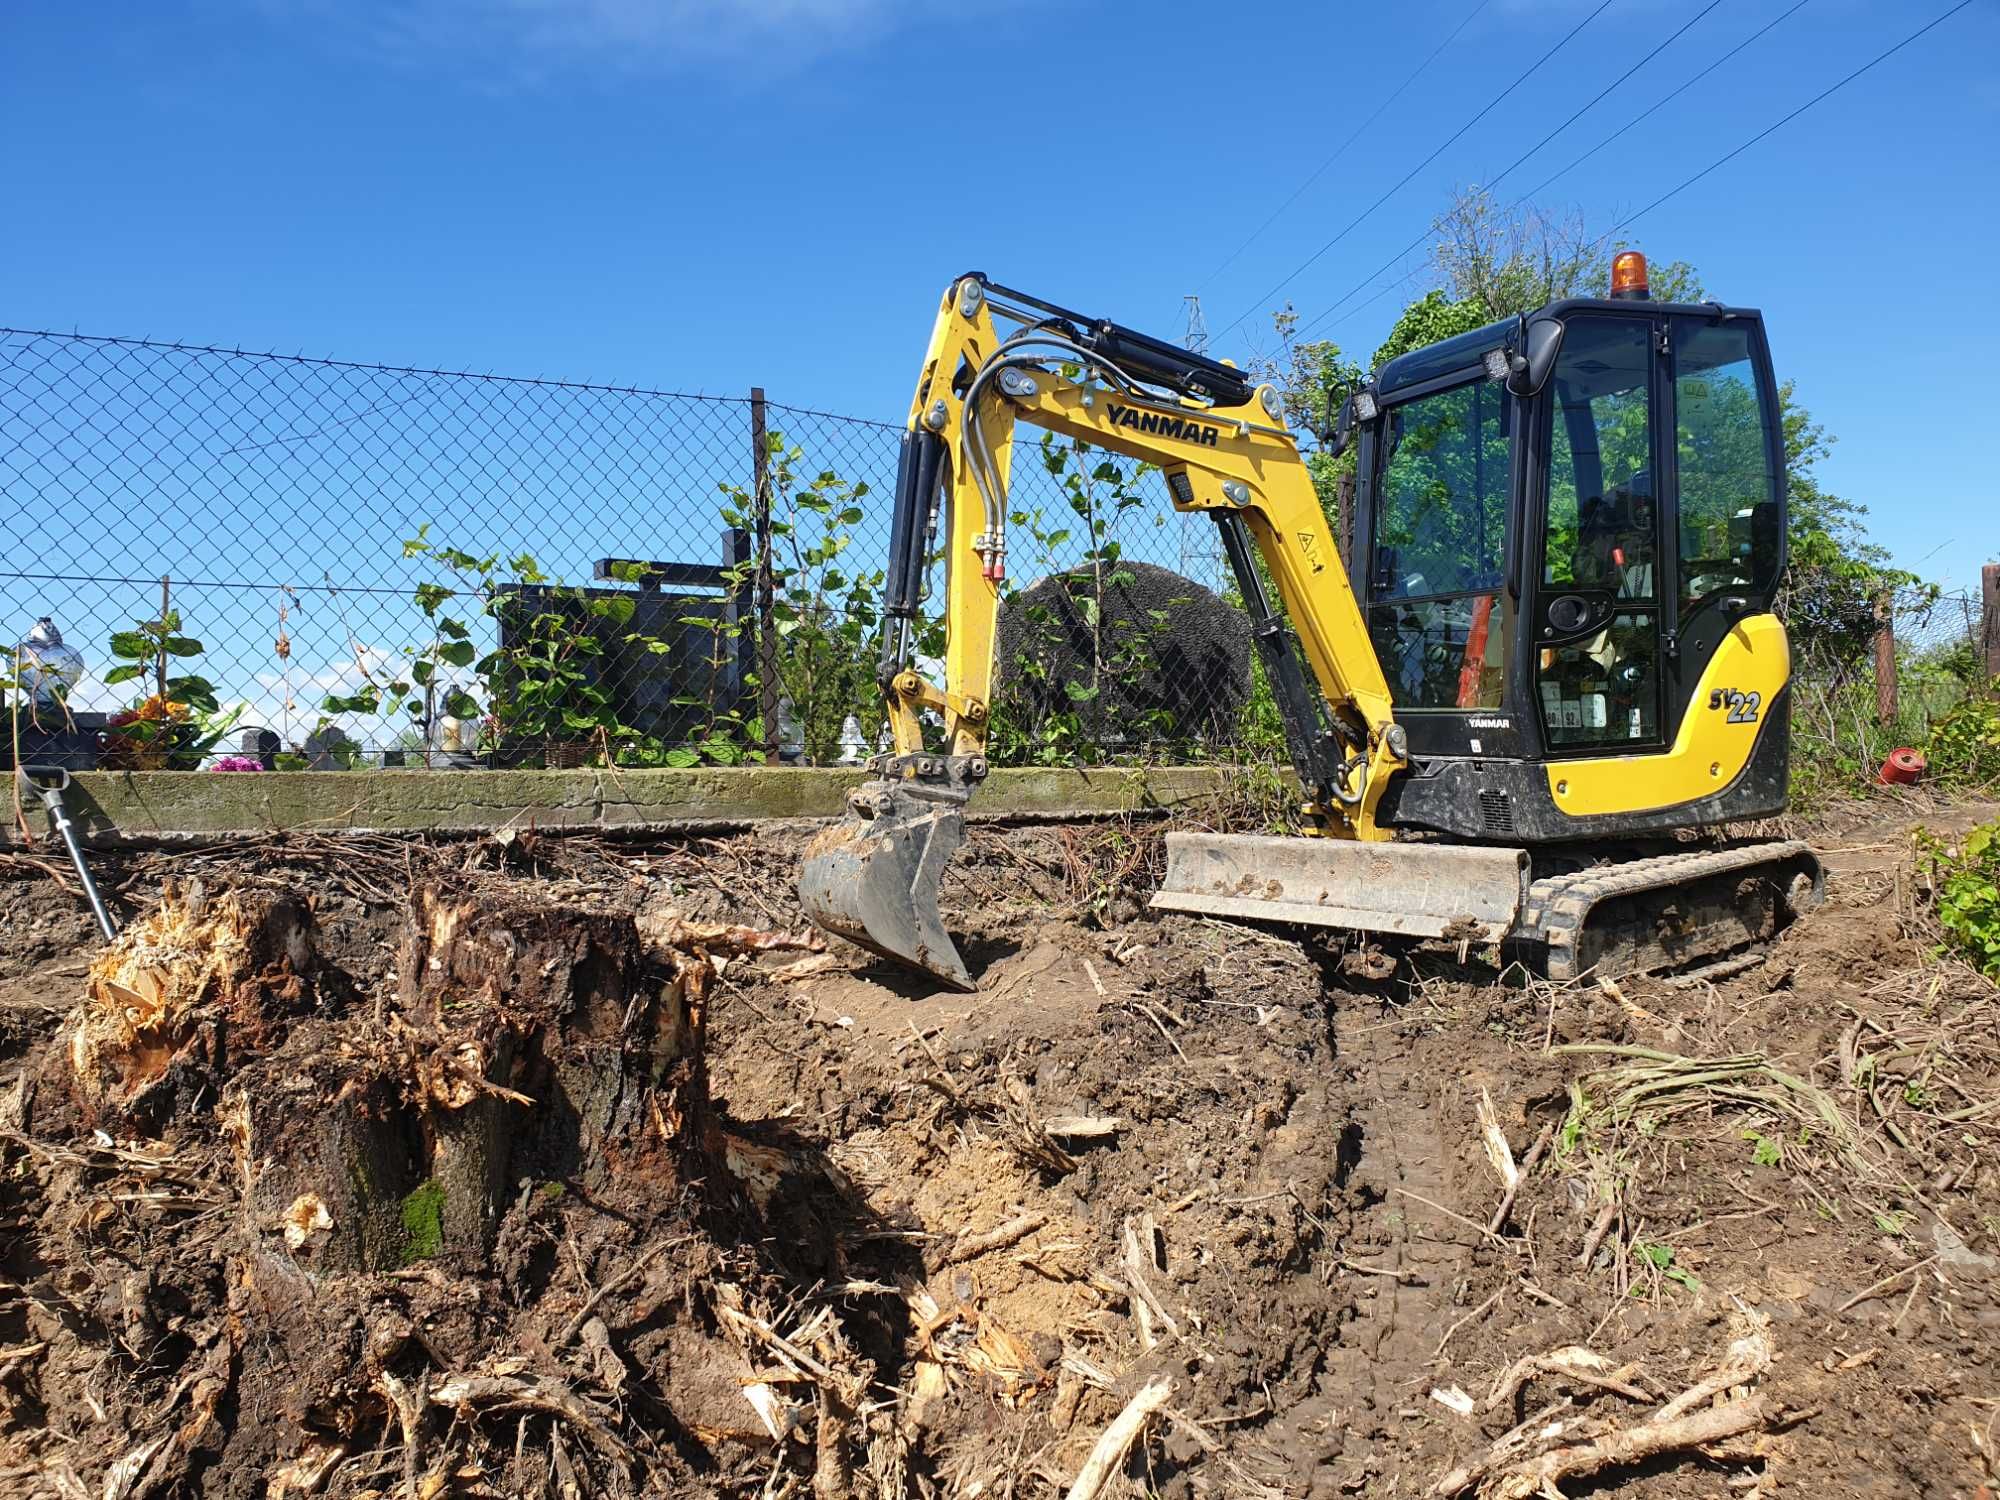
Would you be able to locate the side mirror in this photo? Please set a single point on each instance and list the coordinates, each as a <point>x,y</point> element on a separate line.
<point>1340,425</point>
<point>1531,354</point>
<point>1358,407</point>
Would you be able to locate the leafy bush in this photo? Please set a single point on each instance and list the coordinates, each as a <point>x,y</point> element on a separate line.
<point>1965,887</point>
<point>1964,745</point>
<point>543,684</point>
<point>825,612</point>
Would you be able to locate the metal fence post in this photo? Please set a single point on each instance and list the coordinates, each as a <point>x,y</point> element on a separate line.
<point>1989,617</point>
<point>1885,657</point>
<point>767,634</point>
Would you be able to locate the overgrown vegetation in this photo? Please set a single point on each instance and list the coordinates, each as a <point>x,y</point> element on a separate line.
<point>826,611</point>
<point>1964,881</point>
<point>541,684</point>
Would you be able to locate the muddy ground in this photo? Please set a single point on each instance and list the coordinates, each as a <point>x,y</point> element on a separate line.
<point>936,1243</point>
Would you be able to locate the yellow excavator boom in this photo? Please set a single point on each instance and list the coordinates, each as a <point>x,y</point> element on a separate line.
<point>1223,446</point>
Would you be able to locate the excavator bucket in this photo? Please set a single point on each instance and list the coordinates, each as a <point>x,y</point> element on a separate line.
<point>873,877</point>
<point>1409,889</point>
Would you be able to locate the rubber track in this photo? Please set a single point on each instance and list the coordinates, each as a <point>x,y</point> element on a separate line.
<point>1558,908</point>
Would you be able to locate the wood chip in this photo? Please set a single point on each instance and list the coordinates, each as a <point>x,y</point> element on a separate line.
<point>999,1237</point>
<point>1498,1152</point>
<point>1452,1398</point>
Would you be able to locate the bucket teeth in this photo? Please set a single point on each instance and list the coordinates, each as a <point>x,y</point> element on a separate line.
<point>873,877</point>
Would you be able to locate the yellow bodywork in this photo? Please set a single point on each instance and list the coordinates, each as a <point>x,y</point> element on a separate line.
<point>1247,446</point>
<point>1712,747</point>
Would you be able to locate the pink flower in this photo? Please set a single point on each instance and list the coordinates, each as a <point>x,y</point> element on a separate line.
<point>237,763</point>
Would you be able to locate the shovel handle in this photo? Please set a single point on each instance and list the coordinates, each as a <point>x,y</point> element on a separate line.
<point>49,783</point>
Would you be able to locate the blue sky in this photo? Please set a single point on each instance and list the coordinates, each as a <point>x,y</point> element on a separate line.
<point>706,194</point>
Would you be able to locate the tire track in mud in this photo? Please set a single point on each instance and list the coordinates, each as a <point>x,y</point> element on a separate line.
<point>1381,1369</point>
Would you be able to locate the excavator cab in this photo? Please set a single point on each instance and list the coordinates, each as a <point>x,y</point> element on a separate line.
<point>1547,642</point>
<point>1568,572</point>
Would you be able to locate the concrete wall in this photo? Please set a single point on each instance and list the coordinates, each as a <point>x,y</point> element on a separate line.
<point>143,806</point>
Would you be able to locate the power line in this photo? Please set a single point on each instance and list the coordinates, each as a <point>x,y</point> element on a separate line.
<point>1341,150</point>
<point>1404,181</point>
<point>1576,115</point>
<point>1723,160</point>
<point>1646,114</point>
<point>1827,92</point>
<point>1600,95</point>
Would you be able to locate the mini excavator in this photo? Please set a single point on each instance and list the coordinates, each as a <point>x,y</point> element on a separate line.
<point>1544,658</point>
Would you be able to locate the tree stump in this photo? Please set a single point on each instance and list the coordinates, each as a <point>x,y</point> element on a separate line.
<point>193,984</point>
<point>552,1049</point>
<point>521,1041</point>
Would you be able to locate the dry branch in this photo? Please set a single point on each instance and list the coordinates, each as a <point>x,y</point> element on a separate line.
<point>1634,1445</point>
<point>1108,1454</point>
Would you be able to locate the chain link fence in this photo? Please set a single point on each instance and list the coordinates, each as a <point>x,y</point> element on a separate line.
<point>350,562</point>
<point>1877,669</point>
<point>318,562</point>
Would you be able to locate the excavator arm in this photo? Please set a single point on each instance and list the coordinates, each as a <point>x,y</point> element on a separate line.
<point>1223,447</point>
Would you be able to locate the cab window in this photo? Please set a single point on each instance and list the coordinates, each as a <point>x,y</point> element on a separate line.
<point>1601,503</point>
<point>1440,550</point>
<point>1729,512</point>
<point>1441,516</point>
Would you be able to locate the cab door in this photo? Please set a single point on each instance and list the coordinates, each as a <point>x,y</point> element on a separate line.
<point>1661,524</point>
<point>1728,519</point>
<point>1600,610</point>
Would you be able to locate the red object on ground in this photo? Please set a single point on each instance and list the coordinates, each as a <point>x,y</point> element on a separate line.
<point>1903,767</point>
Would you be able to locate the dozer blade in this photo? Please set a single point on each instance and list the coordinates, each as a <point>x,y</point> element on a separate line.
<point>873,877</point>
<point>1412,890</point>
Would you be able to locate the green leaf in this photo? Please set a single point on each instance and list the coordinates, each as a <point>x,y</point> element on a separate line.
<point>461,705</point>
<point>680,757</point>
<point>421,672</point>
<point>124,674</point>
<point>182,645</point>
<point>457,653</point>
<point>196,692</point>
<point>131,643</point>
<point>430,595</point>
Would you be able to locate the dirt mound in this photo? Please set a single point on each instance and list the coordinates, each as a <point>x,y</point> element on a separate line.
<point>1167,1204</point>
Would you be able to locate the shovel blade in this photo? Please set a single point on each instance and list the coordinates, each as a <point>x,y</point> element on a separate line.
<point>1412,890</point>
<point>873,878</point>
